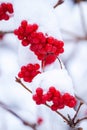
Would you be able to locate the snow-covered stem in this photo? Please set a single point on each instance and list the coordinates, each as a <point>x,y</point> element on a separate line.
<point>26,123</point>
<point>58,3</point>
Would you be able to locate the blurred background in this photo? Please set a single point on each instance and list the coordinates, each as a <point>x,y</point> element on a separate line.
<point>72,18</point>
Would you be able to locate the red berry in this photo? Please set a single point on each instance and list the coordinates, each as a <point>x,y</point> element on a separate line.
<point>39,91</point>
<point>52,89</point>
<point>39,121</point>
<point>54,108</point>
<point>24,23</point>
<point>5,10</point>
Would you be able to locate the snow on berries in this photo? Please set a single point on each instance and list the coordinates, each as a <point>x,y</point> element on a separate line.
<point>6,10</point>
<point>45,47</point>
<point>56,77</point>
<point>55,87</point>
<point>28,72</point>
<point>57,99</point>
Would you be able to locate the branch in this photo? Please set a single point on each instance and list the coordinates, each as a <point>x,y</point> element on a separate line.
<point>58,3</point>
<point>59,114</point>
<point>60,63</point>
<point>79,120</point>
<point>26,123</point>
<point>20,82</point>
<point>5,32</point>
<point>81,103</point>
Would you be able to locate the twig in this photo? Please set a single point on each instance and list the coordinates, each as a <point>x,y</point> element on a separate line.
<point>26,123</point>
<point>20,82</point>
<point>76,39</point>
<point>59,114</point>
<point>6,32</point>
<point>79,120</point>
<point>58,3</point>
<point>81,103</point>
<point>60,62</point>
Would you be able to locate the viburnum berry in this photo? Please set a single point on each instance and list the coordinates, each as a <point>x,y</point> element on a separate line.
<point>1,36</point>
<point>39,120</point>
<point>24,32</point>
<point>6,9</point>
<point>69,100</point>
<point>54,107</point>
<point>28,72</point>
<point>57,99</point>
<point>39,91</point>
<point>45,47</point>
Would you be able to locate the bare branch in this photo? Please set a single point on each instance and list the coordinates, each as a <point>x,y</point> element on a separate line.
<point>26,123</point>
<point>5,32</point>
<point>20,82</point>
<point>60,63</point>
<point>81,103</point>
<point>58,3</point>
<point>79,120</point>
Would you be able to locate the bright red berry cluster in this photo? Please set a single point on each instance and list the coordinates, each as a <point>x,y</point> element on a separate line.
<point>6,9</point>
<point>47,48</point>
<point>58,100</point>
<point>29,72</point>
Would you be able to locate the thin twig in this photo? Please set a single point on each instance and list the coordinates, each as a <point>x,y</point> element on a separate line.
<point>59,114</point>
<point>79,120</point>
<point>58,3</point>
<point>26,123</point>
<point>81,103</point>
<point>76,39</point>
<point>6,32</point>
<point>20,82</point>
<point>60,62</point>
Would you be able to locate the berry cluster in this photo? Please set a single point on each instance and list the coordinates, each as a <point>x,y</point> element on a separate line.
<point>47,48</point>
<point>6,9</point>
<point>58,100</point>
<point>29,72</point>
